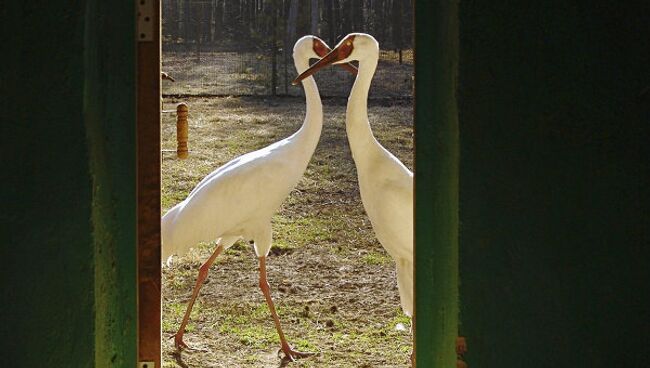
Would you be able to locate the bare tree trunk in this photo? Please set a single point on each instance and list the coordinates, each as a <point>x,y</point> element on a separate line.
<point>347,19</point>
<point>407,13</point>
<point>291,23</point>
<point>274,52</point>
<point>216,18</point>
<point>289,40</point>
<point>197,18</point>
<point>186,21</point>
<point>253,24</point>
<point>372,18</point>
<point>240,13</point>
<point>209,14</point>
<point>358,24</point>
<point>337,20</point>
<point>314,17</point>
<point>397,24</point>
<point>383,22</point>
<point>172,19</point>
<point>365,15</point>
<point>224,15</point>
<point>303,24</point>
<point>329,15</point>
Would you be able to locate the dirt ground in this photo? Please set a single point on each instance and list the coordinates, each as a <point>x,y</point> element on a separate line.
<point>333,284</point>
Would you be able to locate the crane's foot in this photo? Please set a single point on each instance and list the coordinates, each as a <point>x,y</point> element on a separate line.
<point>461,348</point>
<point>293,355</point>
<point>461,345</point>
<point>179,343</point>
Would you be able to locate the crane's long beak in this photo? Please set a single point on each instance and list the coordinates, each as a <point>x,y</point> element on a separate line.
<point>324,51</point>
<point>328,59</point>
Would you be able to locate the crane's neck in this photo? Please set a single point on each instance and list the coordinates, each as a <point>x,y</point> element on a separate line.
<point>311,127</point>
<point>356,117</point>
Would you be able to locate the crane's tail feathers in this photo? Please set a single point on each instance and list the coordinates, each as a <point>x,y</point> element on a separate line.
<point>168,233</point>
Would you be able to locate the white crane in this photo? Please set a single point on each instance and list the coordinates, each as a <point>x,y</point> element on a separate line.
<point>237,200</point>
<point>386,185</point>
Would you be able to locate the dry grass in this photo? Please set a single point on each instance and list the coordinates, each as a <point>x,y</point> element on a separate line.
<point>332,282</point>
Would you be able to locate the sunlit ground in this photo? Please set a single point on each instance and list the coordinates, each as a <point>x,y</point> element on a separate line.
<point>332,282</point>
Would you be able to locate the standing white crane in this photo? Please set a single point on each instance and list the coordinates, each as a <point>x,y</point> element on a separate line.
<point>238,199</point>
<point>386,185</point>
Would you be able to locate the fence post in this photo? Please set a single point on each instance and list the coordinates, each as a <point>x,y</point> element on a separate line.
<point>274,67</point>
<point>181,131</point>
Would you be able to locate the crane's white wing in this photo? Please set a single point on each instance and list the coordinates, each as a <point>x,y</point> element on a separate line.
<point>386,187</point>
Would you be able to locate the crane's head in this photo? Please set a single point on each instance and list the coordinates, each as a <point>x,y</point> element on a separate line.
<point>312,47</point>
<point>355,46</point>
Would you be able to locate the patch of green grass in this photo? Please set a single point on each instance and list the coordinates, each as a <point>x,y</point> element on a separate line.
<point>169,199</point>
<point>292,233</point>
<point>389,328</point>
<point>261,311</point>
<point>251,325</point>
<point>238,249</point>
<point>296,232</point>
<point>400,318</point>
<point>304,344</point>
<point>169,364</point>
<point>254,336</point>
<point>354,336</point>
<point>249,314</point>
<point>177,310</point>
<point>376,258</point>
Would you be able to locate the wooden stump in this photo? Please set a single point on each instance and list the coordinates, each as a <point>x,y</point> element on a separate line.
<point>181,131</point>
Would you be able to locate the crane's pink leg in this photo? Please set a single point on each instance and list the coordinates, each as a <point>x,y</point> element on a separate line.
<point>290,354</point>
<point>203,274</point>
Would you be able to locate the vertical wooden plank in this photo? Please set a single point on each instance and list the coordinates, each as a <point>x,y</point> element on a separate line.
<point>555,183</point>
<point>148,191</point>
<point>110,120</point>
<point>436,183</point>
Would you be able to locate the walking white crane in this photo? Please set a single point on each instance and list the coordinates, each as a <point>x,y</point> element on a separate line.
<point>386,185</point>
<point>237,200</point>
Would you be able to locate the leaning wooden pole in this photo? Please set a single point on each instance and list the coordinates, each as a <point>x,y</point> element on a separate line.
<point>436,183</point>
<point>181,131</point>
<point>148,193</point>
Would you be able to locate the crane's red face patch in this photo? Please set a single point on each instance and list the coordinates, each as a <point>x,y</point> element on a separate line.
<point>320,49</point>
<point>345,48</point>
<point>341,52</point>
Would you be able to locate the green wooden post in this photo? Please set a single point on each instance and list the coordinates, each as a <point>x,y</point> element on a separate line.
<point>109,118</point>
<point>67,244</point>
<point>436,177</point>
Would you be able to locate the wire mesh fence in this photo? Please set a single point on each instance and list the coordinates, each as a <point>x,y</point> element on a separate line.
<point>238,47</point>
<point>222,73</point>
